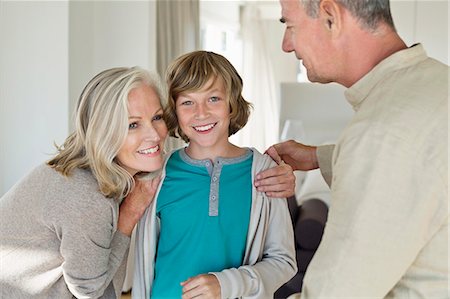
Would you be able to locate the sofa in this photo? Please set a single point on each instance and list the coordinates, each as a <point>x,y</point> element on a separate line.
<point>309,215</point>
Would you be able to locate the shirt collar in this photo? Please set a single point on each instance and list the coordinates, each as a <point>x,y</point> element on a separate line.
<point>402,59</point>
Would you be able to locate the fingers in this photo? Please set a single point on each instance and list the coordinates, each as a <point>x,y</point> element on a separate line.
<point>272,152</point>
<point>277,171</point>
<point>146,189</point>
<point>278,181</point>
<point>201,286</point>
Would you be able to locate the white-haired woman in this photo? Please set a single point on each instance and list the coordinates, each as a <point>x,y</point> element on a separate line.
<point>65,228</point>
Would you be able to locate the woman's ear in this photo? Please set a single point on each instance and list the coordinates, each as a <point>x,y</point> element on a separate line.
<point>330,14</point>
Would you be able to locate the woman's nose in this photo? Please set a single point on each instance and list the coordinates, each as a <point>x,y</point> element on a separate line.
<point>151,134</point>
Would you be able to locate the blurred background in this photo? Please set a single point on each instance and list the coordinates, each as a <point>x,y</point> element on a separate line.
<point>50,49</point>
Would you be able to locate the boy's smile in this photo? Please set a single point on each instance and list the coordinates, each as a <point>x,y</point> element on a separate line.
<point>205,128</point>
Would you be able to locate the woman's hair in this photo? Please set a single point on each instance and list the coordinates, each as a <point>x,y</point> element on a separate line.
<point>369,12</point>
<point>191,72</point>
<point>101,128</point>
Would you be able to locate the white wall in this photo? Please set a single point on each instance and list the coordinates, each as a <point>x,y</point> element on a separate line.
<point>48,52</point>
<point>323,108</point>
<point>33,84</point>
<point>424,21</point>
<point>109,34</point>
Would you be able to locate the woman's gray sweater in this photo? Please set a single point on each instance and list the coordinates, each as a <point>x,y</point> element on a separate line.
<point>59,238</point>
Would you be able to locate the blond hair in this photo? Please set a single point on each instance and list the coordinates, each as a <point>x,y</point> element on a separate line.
<point>101,128</point>
<point>190,72</point>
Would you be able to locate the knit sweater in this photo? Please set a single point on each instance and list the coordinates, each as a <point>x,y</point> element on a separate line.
<point>59,238</point>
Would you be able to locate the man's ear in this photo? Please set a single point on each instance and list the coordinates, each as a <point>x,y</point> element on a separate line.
<point>330,13</point>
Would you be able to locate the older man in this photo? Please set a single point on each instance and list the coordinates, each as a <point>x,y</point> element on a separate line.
<point>388,225</point>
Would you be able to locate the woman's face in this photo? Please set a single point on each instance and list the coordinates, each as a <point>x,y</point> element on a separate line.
<point>143,146</point>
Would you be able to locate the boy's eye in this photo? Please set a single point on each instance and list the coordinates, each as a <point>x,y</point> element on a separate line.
<point>157,117</point>
<point>214,99</point>
<point>132,126</point>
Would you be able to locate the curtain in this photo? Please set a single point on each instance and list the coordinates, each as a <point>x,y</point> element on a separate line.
<point>178,32</point>
<point>262,128</point>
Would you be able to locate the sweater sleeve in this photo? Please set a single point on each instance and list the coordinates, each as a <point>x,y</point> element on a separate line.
<point>276,266</point>
<point>91,247</point>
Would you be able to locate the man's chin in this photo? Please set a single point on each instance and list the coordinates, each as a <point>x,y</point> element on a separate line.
<point>318,79</point>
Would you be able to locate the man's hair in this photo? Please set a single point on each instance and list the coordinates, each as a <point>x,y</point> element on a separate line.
<point>369,12</point>
<point>101,128</point>
<point>190,73</point>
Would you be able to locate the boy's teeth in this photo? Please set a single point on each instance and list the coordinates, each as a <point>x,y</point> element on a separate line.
<point>204,128</point>
<point>149,150</point>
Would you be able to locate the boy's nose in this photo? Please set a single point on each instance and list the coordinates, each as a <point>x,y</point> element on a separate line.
<point>201,111</point>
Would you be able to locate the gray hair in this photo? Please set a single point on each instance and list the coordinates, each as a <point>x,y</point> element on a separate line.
<point>369,12</point>
<point>101,128</point>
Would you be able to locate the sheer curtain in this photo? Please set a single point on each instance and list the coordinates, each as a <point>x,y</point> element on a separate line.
<point>178,32</point>
<point>262,128</point>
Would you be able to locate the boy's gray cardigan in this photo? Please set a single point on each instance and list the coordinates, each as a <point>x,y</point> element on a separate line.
<point>269,259</point>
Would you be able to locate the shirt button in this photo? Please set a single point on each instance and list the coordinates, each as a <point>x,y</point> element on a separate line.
<point>213,197</point>
<point>214,179</point>
<point>207,164</point>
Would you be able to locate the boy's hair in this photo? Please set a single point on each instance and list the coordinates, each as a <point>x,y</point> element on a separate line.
<point>101,128</point>
<point>190,72</point>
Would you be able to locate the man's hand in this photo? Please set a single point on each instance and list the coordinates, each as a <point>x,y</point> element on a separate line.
<point>201,286</point>
<point>278,181</point>
<point>299,156</point>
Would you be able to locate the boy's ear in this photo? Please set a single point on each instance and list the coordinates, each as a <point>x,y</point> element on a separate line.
<point>330,14</point>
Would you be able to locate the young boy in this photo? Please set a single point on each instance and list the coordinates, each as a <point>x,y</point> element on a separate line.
<point>210,233</point>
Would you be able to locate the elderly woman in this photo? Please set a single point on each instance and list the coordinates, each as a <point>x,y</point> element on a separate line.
<point>65,228</point>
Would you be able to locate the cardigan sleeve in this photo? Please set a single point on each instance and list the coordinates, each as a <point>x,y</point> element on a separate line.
<point>277,264</point>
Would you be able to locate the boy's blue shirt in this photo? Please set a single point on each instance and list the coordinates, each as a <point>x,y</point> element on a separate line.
<point>204,209</point>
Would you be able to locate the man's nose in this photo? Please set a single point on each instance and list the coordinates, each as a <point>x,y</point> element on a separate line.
<point>287,42</point>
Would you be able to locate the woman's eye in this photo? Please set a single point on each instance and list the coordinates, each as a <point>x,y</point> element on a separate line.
<point>132,126</point>
<point>157,117</point>
<point>186,103</point>
<point>214,99</point>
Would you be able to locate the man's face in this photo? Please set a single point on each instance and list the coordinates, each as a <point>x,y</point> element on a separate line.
<point>308,38</point>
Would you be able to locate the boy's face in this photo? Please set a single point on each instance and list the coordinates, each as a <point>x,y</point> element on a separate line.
<point>204,116</point>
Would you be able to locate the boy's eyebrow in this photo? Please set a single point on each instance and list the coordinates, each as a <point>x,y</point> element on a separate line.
<point>187,94</point>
